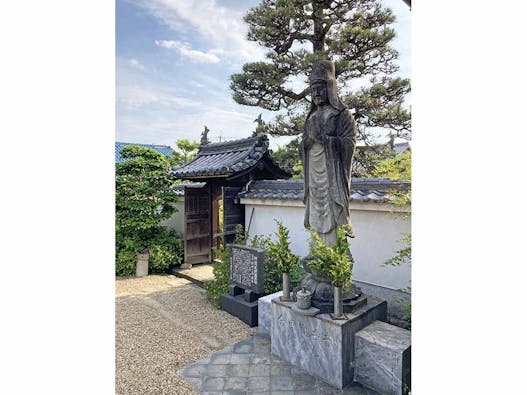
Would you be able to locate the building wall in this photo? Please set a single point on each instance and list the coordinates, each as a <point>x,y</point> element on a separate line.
<point>177,220</point>
<point>377,230</point>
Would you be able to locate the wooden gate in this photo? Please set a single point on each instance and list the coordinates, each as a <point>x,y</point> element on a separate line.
<point>233,213</point>
<point>198,226</point>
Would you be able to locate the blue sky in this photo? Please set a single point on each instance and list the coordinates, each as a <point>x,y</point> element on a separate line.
<point>174,61</point>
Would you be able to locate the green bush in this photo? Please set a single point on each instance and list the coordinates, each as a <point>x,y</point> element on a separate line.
<point>126,256</point>
<point>279,251</point>
<point>221,269</point>
<point>272,273</point>
<point>160,258</point>
<point>332,262</point>
<point>164,245</point>
<point>168,246</point>
<point>144,196</point>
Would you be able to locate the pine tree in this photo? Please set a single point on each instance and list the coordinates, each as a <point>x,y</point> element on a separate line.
<point>355,34</point>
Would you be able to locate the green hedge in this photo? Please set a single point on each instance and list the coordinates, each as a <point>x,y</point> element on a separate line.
<point>163,244</point>
<point>272,274</point>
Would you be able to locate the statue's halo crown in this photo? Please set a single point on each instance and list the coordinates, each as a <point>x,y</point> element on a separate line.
<point>323,70</point>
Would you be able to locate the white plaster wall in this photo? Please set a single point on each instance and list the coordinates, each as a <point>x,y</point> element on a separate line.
<point>177,220</point>
<point>377,236</point>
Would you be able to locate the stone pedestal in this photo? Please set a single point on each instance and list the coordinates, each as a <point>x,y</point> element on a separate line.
<point>141,268</point>
<point>265,314</point>
<point>242,304</point>
<point>323,295</point>
<point>318,344</point>
<point>382,358</point>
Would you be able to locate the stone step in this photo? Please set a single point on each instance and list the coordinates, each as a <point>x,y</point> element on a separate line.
<point>383,358</point>
<point>197,274</point>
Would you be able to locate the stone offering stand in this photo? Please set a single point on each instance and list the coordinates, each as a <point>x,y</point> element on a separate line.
<point>318,344</point>
<point>361,348</point>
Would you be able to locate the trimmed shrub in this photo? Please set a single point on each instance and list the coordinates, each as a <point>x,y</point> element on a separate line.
<point>126,256</point>
<point>272,273</point>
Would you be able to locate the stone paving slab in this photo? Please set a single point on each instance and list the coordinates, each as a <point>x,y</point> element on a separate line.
<point>248,367</point>
<point>198,274</point>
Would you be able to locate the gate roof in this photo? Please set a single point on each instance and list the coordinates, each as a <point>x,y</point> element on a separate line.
<point>232,159</point>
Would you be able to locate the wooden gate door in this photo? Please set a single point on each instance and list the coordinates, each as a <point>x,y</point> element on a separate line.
<point>233,213</point>
<point>198,228</point>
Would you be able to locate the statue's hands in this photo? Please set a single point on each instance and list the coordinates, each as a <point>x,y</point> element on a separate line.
<point>321,137</point>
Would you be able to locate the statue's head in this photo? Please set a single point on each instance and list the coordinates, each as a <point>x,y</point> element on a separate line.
<point>324,85</point>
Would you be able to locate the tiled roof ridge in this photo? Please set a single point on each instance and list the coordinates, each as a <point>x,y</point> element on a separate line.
<point>233,145</point>
<point>362,189</point>
<point>227,158</point>
<point>354,181</point>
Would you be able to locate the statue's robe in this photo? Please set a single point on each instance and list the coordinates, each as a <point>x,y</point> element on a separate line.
<point>327,168</point>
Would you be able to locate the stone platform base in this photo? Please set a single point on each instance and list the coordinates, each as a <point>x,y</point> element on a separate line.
<point>239,307</point>
<point>265,314</point>
<point>321,346</point>
<point>382,358</point>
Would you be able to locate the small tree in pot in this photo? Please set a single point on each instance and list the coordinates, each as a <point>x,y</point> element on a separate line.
<point>284,258</point>
<point>333,263</point>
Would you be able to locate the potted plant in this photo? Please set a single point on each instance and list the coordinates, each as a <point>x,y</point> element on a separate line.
<point>284,258</point>
<point>334,264</point>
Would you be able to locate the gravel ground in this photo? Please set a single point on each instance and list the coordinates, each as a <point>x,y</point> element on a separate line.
<point>163,324</point>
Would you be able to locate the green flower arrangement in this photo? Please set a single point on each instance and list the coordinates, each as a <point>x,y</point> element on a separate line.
<point>332,263</point>
<point>280,251</point>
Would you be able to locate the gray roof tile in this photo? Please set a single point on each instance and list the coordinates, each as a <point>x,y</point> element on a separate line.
<point>362,189</point>
<point>227,158</point>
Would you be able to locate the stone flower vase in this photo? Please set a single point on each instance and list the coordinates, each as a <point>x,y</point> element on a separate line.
<point>286,295</point>
<point>141,268</point>
<point>303,299</point>
<point>338,310</point>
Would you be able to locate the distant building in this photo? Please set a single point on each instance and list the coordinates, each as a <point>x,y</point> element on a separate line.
<point>162,149</point>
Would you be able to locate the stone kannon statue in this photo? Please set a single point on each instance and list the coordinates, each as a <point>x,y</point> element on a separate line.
<point>327,150</point>
<point>327,147</point>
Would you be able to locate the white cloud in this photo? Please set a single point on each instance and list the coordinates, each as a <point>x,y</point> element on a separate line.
<point>223,28</point>
<point>193,55</point>
<point>196,84</point>
<point>136,64</point>
<point>137,96</point>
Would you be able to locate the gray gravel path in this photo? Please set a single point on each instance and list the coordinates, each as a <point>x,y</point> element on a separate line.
<point>162,325</point>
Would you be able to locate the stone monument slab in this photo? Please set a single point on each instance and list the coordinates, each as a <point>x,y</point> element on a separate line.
<point>321,346</point>
<point>246,268</point>
<point>246,283</point>
<point>382,358</point>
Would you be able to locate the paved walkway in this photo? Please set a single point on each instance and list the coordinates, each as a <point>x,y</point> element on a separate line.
<point>248,367</point>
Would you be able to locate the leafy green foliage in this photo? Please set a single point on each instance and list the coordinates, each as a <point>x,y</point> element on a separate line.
<point>367,157</point>
<point>144,190</point>
<point>288,157</point>
<point>396,168</point>
<point>144,197</point>
<point>280,252</point>
<point>272,273</point>
<point>357,35</point>
<point>185,152</point>
<point>400,168</point>
<point>221,270</point>
<point>126,256</point>
<point>404,255</point>
<point>332,262</point>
